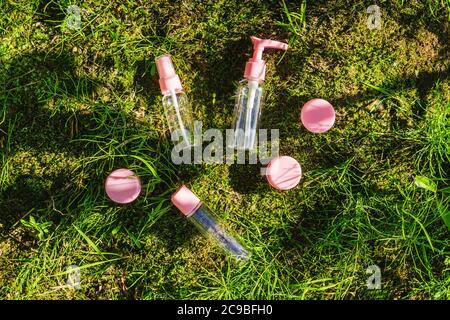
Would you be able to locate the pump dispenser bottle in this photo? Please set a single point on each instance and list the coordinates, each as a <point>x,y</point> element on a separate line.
<point>250,94</point>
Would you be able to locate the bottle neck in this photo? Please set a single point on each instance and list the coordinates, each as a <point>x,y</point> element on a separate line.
<point>169,93</point>
<point>252,83</point>
<point>255,70</point>
<point>192,213</point>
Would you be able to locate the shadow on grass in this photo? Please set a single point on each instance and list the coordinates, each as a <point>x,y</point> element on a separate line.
<point>247,179</point>
<point>39,91</point>
<point>30,82</point>
<point>50,12</point>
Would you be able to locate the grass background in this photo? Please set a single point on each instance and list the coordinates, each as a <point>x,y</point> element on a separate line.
<point>76,104</point>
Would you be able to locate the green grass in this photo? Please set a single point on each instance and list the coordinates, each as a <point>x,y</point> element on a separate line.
<point>75,104</point>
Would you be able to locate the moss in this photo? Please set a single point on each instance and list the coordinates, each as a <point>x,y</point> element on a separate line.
<point>75,105</point>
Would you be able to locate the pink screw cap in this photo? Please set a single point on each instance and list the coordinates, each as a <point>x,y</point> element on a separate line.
<point>185,200</point>
<point>168,79</point>
<point>318,115</point>
<point>283,173</point>
<point>122,186</point>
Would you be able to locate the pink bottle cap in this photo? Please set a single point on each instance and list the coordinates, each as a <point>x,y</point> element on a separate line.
<point>283,173</point>
<point>255,69</point>
<point>122,186</point>
<point>185,201</point>
<point>318,115</point>
<point>168,79</point>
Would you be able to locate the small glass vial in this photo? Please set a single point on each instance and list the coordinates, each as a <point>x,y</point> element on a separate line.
<point>176,105</point>
<point>203,218</point>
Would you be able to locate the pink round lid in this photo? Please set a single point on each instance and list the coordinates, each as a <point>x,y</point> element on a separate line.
<point>318,115</point>
<point>283,173</point>
<point>122,186</point>
<point>185,200</point>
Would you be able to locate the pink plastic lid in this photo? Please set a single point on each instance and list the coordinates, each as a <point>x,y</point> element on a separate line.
<point>122,186</point>
<point>318,115</point>
<point>283,173</point>
<point>186,201</point>
<point>255,69</point>
<point>168,79</point>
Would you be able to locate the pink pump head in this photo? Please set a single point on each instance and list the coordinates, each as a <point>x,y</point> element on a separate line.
<point>185,200</point>
<point>168,79</point>
<point>255,69</point>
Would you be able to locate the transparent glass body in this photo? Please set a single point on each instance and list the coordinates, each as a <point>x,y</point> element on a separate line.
<point>247,111</point>
<point>179,117</point>
<point>208,224</point>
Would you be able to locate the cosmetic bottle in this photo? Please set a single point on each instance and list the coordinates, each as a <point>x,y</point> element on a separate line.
<point>176,105</point>
<point>250,95</point>
<point>208,224</point>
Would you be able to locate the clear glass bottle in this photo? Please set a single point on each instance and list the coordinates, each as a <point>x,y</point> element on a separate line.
<point>176,105</point>
<point>247,112</point>
<point>208,224</point>
<point>250,95</point>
